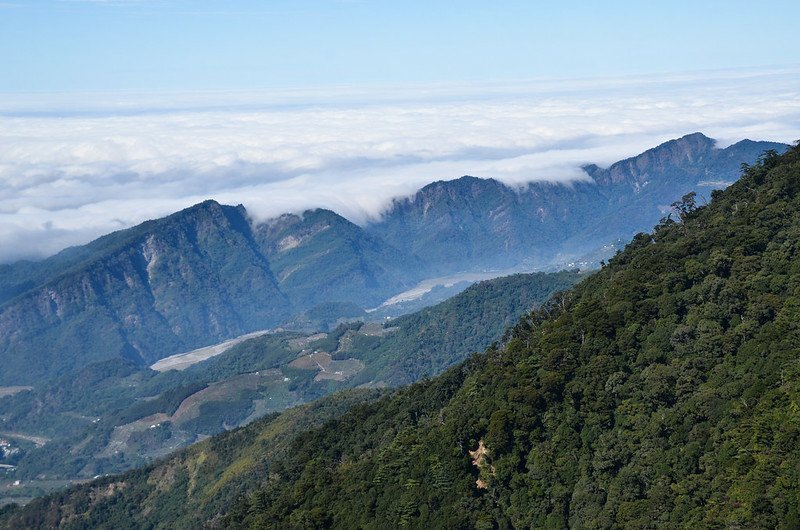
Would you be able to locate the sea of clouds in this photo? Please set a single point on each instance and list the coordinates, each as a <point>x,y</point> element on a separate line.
<point>76,166</point>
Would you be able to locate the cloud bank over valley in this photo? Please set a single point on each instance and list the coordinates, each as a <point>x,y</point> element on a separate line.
<point>70,172</point>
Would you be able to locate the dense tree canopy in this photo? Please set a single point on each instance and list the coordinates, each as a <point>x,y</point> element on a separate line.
<point>662,391</point>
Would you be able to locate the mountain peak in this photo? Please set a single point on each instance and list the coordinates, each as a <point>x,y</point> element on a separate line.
<point>691,142</point>
<point>324,214</point>
<point>680,151</point>
<point>206,206</point>
<point>458,189</point>
<point>696,137</point>
<point>290,222</point>
<point>461,183</point>
<point>679,155</point>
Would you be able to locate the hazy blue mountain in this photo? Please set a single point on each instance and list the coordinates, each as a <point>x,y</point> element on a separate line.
<point>320,257</point>
<point>472,223</point>
<point>677,161</point>
<point>165,286</point>
<point>687,161</point>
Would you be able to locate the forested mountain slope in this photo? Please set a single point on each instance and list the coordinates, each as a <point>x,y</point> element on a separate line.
<point>111,416</point>
<point>660,392</point>
<point>426,342</point>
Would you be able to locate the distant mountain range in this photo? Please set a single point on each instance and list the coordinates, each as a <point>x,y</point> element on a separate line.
<point>207,273</point>
<point>470,222</point>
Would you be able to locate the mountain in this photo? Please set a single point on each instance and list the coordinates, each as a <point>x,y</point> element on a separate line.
<point>427,342</point>
<point>470,223</point>
<point>685,162</point>
<point>207,274</point>
<point>661,392</point>
<point>194,278</point>
<point>320,257</point>
<point>640,189</point>
<point>165,286</point>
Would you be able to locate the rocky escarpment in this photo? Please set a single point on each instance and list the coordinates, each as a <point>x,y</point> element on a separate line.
<point>180,282</point>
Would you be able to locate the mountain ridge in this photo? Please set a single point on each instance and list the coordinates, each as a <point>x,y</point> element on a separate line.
<point>616,202</point>
<point>207,273</point>
<point>685,151</point>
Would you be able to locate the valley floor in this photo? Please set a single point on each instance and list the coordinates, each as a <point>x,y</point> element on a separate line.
<point>181,361</point>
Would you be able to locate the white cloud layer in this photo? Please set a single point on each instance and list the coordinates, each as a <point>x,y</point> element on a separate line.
<point>71,170</point>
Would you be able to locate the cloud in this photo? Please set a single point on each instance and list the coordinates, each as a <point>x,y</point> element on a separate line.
<point>72,170</point>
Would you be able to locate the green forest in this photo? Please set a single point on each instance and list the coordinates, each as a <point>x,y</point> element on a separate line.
<point>661,392</point>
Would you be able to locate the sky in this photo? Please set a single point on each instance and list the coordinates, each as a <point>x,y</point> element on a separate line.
<point>234,44</point>
<point>116,111</point>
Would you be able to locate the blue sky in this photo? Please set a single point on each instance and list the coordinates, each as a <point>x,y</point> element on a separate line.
<point>56,45</point>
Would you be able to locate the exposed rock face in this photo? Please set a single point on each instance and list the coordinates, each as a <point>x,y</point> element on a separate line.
<point>684,156</point>
<point>183,281</point>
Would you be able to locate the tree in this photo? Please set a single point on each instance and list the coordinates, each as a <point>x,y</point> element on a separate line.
<point>686,205</point>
